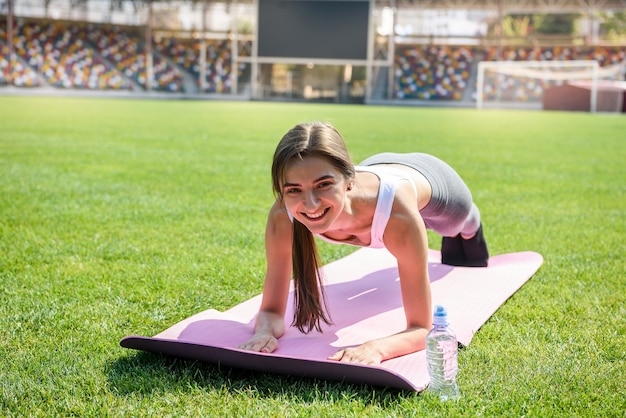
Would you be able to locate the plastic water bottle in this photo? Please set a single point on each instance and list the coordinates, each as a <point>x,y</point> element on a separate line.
<point>441,354</point>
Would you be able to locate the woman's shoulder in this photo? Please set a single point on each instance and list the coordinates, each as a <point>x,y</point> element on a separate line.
<point>278,216</point>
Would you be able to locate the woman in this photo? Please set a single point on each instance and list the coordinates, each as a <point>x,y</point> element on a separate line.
<point>388,201</point>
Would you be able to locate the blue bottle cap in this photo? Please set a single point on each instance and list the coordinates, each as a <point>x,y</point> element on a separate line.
<point>440,316</point>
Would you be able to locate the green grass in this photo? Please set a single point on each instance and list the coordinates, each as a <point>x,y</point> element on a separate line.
<point>122,217</point>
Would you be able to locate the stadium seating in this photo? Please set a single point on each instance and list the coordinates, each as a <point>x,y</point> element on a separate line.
<point>432,72</point>
<point>86,56</point>
<point>128,55</point>
<point>61,59</point>
<point>104,57</point>
<point>21,75</point>
<point>186,53</point>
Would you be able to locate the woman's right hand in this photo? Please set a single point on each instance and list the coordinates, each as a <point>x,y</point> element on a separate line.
<point>262,341</point>
<point>269,328</point>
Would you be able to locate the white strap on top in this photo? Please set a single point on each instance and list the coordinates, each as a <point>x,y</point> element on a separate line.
<point>389,179</point>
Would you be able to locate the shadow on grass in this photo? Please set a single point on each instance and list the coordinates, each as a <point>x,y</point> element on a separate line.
<point>149,373</point>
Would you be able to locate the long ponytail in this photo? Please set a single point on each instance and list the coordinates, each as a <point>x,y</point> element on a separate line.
<point>309,296</point>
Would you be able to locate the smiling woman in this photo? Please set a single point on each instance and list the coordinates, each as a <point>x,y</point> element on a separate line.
<point>312,188</point>
<point>387,201</point>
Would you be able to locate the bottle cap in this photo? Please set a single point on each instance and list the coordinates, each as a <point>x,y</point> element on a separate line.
<point>440,316</point>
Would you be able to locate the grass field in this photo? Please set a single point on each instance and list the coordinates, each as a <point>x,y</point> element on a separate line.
<point>124,217</point>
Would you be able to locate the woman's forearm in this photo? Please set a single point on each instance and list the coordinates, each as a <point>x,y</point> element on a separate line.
<point>396,345</point>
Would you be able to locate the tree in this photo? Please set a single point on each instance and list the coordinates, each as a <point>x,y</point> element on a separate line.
<point>524,24</point>
<point>516,25</point>
<point>613,25</point>
<point>555,24</point>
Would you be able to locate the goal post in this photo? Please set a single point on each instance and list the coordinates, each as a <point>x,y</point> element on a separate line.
<point>525,81</point>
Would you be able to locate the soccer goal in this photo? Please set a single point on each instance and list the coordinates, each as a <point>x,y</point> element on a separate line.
<point>523,83</point>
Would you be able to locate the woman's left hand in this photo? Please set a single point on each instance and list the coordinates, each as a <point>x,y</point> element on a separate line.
<point>363,354</point>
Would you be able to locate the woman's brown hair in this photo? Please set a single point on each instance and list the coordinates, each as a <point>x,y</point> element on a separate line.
<point>308,139</point>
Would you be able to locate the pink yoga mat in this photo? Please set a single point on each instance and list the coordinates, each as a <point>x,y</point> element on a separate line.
<point>364,298</point>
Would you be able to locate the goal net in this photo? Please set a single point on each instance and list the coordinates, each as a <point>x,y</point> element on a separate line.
<point>524,83</point>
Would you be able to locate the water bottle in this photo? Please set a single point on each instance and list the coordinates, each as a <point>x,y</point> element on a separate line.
<point>441,355</point>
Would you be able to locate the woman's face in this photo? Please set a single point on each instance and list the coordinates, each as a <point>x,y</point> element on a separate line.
<point>314,192</point>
